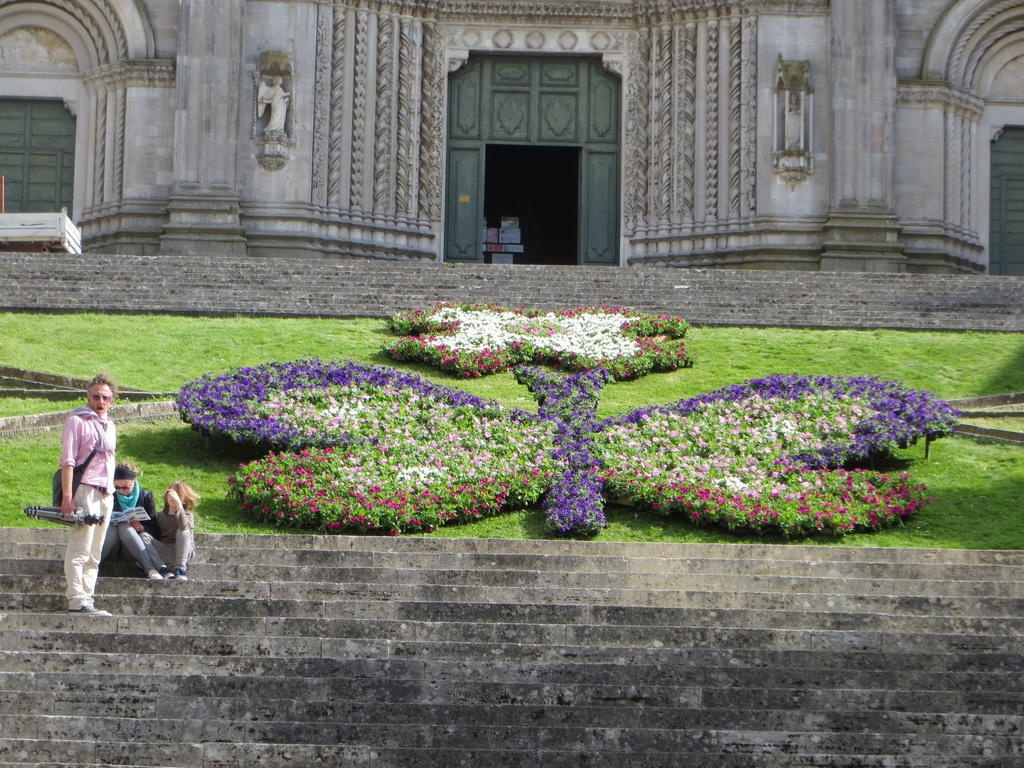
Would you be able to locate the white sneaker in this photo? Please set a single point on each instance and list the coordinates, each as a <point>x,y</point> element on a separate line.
<point>154,575</point>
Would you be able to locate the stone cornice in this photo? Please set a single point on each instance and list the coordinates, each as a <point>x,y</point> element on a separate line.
<point>158,73</point>
<point>626,12</point>
<point>925,94</point>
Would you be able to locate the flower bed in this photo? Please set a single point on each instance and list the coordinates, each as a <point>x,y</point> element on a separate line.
<point>374,449</point>
<point>475,340</point>
<point>767,455</point>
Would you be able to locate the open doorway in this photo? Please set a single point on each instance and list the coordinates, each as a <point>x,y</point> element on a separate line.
<point>536,187</point>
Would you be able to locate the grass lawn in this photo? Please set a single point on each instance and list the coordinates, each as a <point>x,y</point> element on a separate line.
<point>976,486</point>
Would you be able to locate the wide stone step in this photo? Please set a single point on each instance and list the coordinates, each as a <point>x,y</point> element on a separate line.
<point>707,741</point>
<point>283,286</point>
<point>635,551</point>
<point>246,698</point>
<point>239,578</point>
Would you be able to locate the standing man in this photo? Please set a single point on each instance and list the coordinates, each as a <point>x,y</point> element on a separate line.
<point>88,430</point>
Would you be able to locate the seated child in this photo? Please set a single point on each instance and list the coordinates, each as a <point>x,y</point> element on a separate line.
<point>173,546</point>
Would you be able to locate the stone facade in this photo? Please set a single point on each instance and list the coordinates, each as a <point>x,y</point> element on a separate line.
<point>797,134</point>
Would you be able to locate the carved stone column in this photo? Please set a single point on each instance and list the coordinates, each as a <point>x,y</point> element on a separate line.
<point>862,230</point>
<point>203,212</point>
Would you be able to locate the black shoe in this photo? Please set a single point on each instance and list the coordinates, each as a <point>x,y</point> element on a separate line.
<point>90,610</point>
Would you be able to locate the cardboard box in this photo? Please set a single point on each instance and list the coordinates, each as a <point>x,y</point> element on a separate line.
<point>491,235</point>
<point>510,221</point>
<point>504,248</point>
<point>510,235</point>
<point>501,258</point>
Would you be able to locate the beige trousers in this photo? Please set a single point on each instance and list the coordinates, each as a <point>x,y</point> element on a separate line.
<point>85,546</point>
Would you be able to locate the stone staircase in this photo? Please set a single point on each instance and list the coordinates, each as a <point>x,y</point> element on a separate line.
<point>299,650</point>
<point>373,288</point>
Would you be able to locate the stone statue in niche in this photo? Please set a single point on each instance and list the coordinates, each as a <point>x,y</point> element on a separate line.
<point>793,100</point>
<point>275,98</point>
<point>273,110</point>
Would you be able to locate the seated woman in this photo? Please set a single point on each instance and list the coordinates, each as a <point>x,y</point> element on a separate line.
<point>174,544</point>
<point>126,538</point>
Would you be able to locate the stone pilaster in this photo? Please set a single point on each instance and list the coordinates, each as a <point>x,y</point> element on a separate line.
<point>862,230</point>
<point>203,211</point>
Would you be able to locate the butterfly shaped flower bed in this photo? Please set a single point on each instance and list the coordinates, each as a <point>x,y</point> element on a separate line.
<point>367,448</point>
<point>472,340</point>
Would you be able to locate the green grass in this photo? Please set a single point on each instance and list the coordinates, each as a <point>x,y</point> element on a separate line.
<point>976,486</point>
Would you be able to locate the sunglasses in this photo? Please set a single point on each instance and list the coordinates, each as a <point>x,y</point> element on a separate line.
<point>123,486</point>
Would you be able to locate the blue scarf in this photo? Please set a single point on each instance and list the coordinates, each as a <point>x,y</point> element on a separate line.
<point>131,500</point>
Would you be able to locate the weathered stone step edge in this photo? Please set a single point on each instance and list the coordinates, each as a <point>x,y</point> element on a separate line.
<point>232,574</point>
<point>172,694</point>
<point>968,674</point>
<point>169,696</point>
<point>332,635</point>
<point>210,558</point>
<point>225,755</point>
<point>202,601</point>
<point>170,625</point>
<point>183,621</point>
<point>526,738</point>
<point>287,541</point>
<point>514,721</point>
<point>570,713</point>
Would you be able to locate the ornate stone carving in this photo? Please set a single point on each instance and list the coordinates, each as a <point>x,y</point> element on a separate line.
<point>567,40</point>
<point>431,122</point>
<point>409,89</point>
<point>635,133</point>
<point>273,118</point>
<point>687,84</point>
<point>100,146</point>
<point>457,60</point>
<point>792,157</point>
<point>711,101</point>
<point>323,148</point>
<point>359,111</point>
<point>502,38</point>
<point>36,49</point>
<point>661,140</point>
<point>735,112</point>
<point>535,39</point>
<point>383,148</point>
<point>748,137</point>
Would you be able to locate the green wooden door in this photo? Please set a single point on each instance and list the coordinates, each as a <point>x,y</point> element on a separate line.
<point>534,101</point>
<point>1006,232</point>
<point>37,154</point>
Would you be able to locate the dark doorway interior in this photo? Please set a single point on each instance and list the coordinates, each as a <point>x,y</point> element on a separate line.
<point>539,186</point>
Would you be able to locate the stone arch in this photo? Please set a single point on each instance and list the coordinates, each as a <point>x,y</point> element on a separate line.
<point>102,32</point>
<point>971,45</point>
<point>968,34</point>
<point>104,35</point>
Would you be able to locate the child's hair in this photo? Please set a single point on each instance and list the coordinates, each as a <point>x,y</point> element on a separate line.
<point>189,498</point>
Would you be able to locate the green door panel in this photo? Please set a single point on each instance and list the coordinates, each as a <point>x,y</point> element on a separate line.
<point>464,204</point>
<point>510,116</point>
<point>559,117</point>
<point>599,198</point>
<point>37,155</point>
<point>1006,230</point>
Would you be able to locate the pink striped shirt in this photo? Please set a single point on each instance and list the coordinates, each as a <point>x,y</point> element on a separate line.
<point>78,439</point>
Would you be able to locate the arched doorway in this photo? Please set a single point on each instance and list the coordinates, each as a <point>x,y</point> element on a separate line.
<point>533,161</point>
<point>37,155</point>
<point>1006,227</point>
